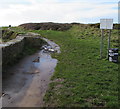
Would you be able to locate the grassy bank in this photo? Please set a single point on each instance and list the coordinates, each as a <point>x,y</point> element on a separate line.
<point>81,78</point>
<point>9,33</point>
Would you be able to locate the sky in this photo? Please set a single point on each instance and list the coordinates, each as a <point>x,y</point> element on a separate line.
<point>16,12</point>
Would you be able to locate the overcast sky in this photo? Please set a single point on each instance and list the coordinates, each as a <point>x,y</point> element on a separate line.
<point>16,12</point>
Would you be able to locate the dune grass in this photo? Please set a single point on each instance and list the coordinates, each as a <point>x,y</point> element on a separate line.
<point>81,78</point>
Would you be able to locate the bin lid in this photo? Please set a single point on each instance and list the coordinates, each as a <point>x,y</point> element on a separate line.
<point>113,49</point>
<point>115,53</point>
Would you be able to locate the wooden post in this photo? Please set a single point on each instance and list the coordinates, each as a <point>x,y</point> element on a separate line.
<point>101,45</point>
<point>109,35</point>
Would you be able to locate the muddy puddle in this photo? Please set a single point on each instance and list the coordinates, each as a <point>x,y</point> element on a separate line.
<point>25,84</point>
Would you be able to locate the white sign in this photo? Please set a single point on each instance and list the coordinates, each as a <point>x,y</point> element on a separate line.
<point>106,23</point>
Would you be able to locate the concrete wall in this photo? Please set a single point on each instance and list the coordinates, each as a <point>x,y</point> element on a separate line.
<point>12,49</point>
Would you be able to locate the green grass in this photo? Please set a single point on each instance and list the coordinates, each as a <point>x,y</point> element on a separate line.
<point>18,30</point>
<point>87,81</point>
<point>11,33</point>
<point>81,78</point>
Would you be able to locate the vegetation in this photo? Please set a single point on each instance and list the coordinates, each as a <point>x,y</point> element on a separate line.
<point>9,33</point>
<point>81,78</point>
<point>46,26</point>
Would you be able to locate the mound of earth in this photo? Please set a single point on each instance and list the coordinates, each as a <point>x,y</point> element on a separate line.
<point>46,26</point>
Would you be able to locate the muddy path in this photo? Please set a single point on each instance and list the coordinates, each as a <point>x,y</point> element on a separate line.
<point>26,82</point>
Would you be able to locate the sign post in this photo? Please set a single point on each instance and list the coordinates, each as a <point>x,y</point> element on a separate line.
<point>101,45</point>
<point>108,43</point>
<point>105,24</point>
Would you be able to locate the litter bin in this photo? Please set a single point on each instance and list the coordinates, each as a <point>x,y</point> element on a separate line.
<point>113,55</point>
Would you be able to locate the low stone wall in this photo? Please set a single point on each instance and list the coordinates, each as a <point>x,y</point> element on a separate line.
<point>12,49</point>
<point>33,42</point>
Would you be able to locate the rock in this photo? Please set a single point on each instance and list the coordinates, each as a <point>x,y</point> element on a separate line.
<point>37,60</point>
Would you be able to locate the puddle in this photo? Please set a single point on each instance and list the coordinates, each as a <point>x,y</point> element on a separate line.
<point>25,84</point>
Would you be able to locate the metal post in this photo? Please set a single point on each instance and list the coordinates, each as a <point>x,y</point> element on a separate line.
<point>109,35</point>
<point>101,45</point>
